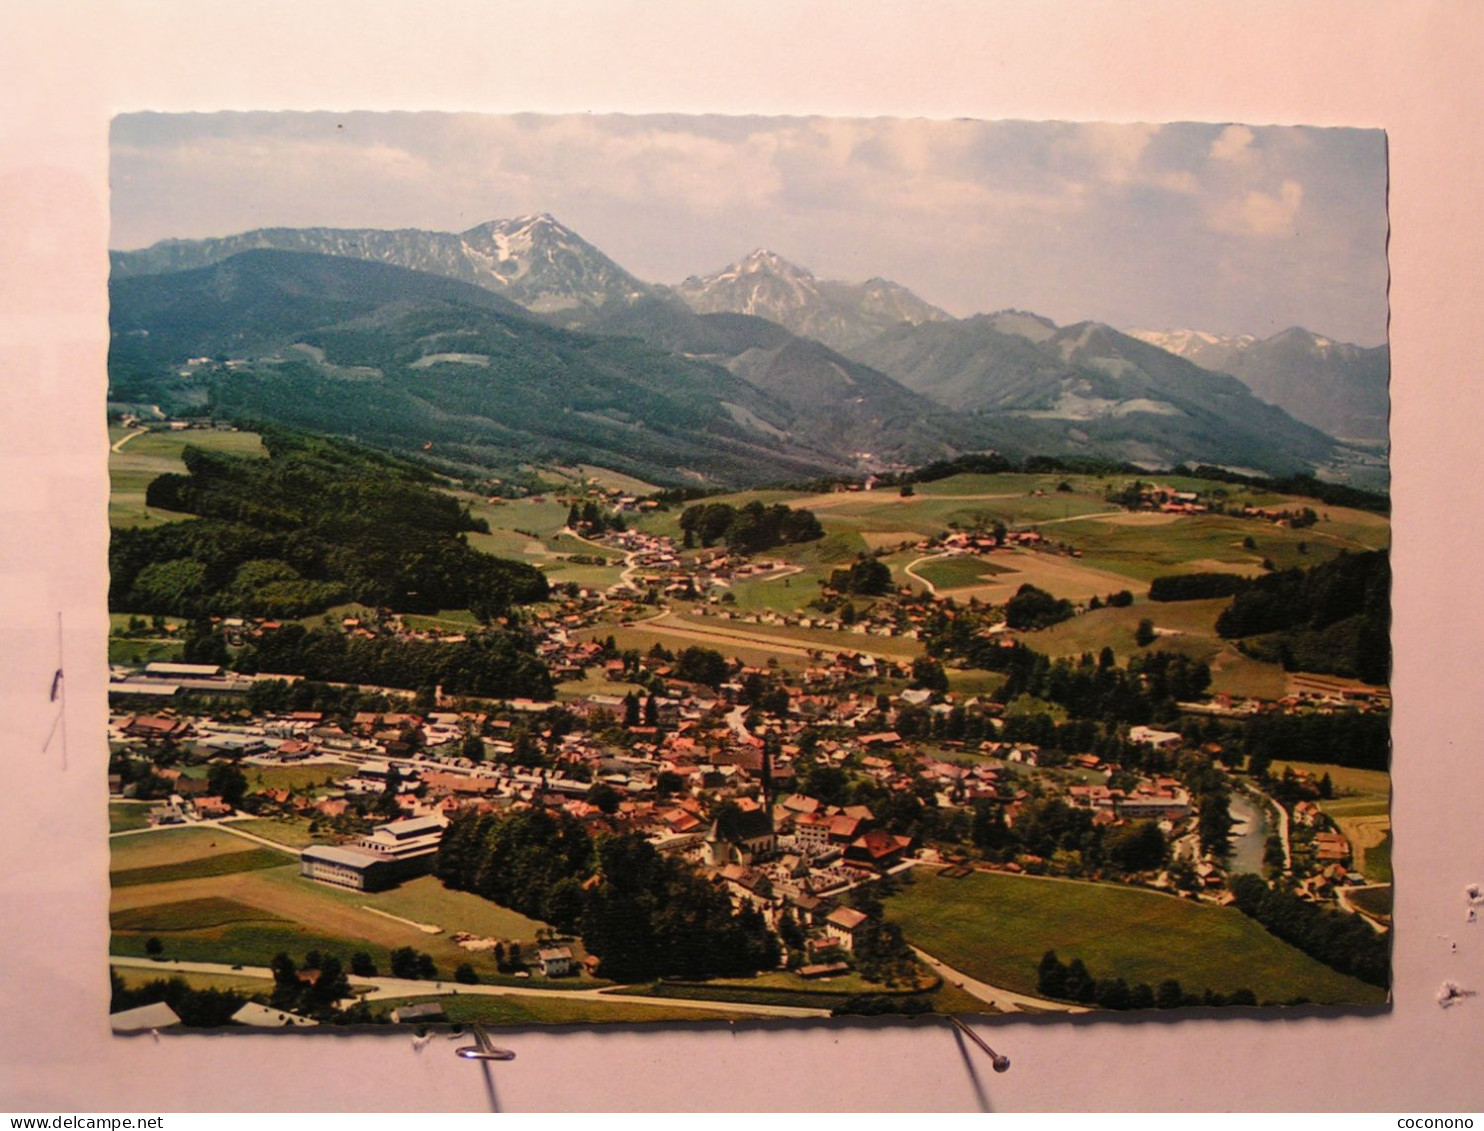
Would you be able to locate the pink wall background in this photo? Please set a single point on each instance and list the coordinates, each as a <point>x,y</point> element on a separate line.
<point>1409,66</point>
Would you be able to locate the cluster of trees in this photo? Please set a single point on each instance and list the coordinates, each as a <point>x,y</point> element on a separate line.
<point>491,664</point>
<point>1147,690</point>
<point>1345,738</point>
<point>1335,494</point>
<point>203,1009</point>
<point>868,577</point>
<point>702,665</point>
<point>1334,617</point>
<point>1053,830</point>
<point>314,988</point>
<point>407,962</point>
<point>315,524</point>
<point>883,1005</point>
<point>279,696</point>
<point>749,529</point>
<point>993,464</point>
<point>1195,586</point>
<point>881,952</point>
<point>1033,608</point>
<point>592,519</point>
<point>1344,942</point>
<point>641,913</point>
<point>1070,981</point>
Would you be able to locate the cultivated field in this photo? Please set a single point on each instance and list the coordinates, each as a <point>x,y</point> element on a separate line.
<point>490,1010</point>
<point>997,927</point>
<point>134,977</point>
<point>126,815</point>
<point>1374,901</point>
<point>772,636</point>
<point>145,456</point>
<point>1361,809</point>
<point>963,572</point>
<point>152,856</point>
<point>248,917</point>
<point>1193,624</point>
<point>292,832</point>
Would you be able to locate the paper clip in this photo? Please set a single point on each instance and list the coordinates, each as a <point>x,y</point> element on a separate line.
<point>484,1049</point>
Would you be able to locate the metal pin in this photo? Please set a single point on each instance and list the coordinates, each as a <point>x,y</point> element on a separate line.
<point>1001,1063</point>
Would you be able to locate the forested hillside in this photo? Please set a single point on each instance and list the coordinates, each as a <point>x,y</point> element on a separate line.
<point>1333,618</point>
<point>316,523</point>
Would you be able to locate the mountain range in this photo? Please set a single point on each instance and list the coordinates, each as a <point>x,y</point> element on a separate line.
<point>840,315</point>
<point>520,340</point>
<point>1339,388</point>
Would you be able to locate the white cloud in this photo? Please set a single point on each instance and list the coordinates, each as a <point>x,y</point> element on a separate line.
<point>1231,144</point>
<point>1260,213</point>
<point>1061,217</point>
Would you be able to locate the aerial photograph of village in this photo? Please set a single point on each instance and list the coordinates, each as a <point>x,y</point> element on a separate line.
<point>592,569</point>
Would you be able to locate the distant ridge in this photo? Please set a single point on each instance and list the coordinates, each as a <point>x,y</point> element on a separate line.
<point>838,314</point>
<point>1340,388</point>
<point>534,261</point>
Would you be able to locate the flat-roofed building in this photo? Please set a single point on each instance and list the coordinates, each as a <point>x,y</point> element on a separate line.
<point>392,853</point>
<point>265,1017</point>
<point>356,868</point>
<point>143,1018</point>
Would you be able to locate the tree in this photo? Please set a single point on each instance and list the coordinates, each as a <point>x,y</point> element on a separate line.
<point>1033,608</point>
<point>404,962</point>
<point>465,974</point>
<point>361,965</point>
<point>702,665</point>
<point>928,673</point>
<point>153,947</point>
<point>1144,634</point>
<point>1215,823</point>
<point>1051,976</point>
<point>867,576</point>
<point>227,782</point>
<point>605,797</point>
<point>1169,994</point>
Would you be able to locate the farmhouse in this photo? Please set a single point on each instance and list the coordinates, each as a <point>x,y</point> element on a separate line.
<point>842,924</point>
<point>556,961</point>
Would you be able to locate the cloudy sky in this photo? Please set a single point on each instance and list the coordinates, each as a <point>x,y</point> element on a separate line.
<point>1232,229</point>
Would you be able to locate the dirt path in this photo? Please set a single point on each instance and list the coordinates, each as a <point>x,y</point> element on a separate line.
<point>1342,896</point>
<point>761,640</point>
<point>1007,1000</point>
<point>1363,833</point>
<point>910,569</point>
<point>119,446</point>
<point>1077,518</point>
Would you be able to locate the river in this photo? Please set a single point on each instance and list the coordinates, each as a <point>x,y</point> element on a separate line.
<point>1249,834</point>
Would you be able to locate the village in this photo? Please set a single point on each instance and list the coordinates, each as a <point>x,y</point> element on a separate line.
<point>786,789</point>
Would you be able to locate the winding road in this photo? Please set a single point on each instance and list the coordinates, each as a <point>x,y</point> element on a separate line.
<point>910,569</point>
<point>383,988</point>
<point>1007,1001</point>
